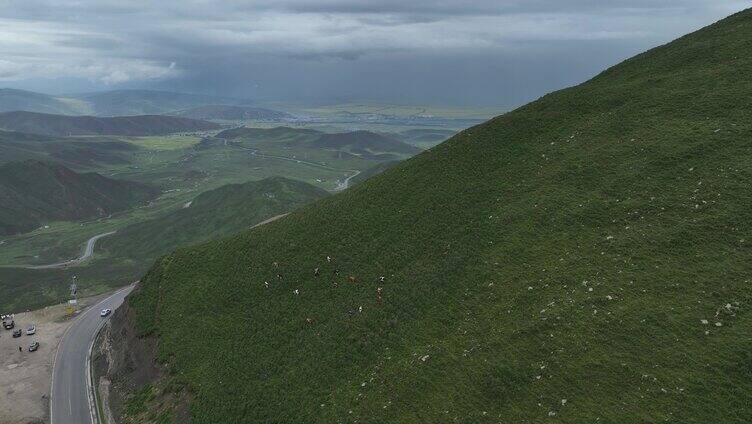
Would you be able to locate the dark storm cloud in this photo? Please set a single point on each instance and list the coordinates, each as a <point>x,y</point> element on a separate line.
<point>482,51</point>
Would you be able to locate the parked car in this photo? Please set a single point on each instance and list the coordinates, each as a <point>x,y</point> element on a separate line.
<point>17,333</point>
<point>105,312</point>
<point>34,346</point>
<point>31,330</point>
<point>8,325</point>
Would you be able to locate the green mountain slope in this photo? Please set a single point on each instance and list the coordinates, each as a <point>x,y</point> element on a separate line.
<point>61,125</point>
<point>583,258</point>
<point>33,192</point>
<point>215,213</point>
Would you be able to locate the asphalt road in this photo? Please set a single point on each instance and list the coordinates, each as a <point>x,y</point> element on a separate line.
<point>86,254</point>
<point>69,394</point>
<point>346,183</point>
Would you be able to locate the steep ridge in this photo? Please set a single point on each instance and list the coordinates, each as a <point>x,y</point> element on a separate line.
<point>32,192</point>
<point>61,125</point>
<point>585,257</point>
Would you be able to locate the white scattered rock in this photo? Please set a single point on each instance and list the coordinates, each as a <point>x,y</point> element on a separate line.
<point>296,291</point>
<point>704,322</point>
<point>718,324</point>
<point>563,401</point>
<point>425,358</point>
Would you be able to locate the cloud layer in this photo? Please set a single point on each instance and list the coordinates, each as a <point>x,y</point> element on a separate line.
<point>325,49</point>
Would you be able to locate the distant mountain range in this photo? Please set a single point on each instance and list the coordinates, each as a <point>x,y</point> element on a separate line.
<point>108,103</point>
<point>33,192</point>
<point>62,125</point>
<point>234,113</point>
<point>72,152</point>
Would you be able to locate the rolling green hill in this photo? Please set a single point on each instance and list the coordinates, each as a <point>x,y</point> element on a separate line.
<point>215,213</point>
<point>33,192</point>
<point>62,125</point>
<point>584,258</point>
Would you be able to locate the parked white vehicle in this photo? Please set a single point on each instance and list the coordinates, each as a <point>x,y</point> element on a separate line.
<point>105,312</point>
<point>30,330</point>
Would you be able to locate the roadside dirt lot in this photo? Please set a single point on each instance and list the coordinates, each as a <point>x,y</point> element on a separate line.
<point>25,376</point>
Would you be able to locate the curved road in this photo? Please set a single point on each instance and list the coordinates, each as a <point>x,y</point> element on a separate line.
<point>343,185</point>
<point>86,254</point>
<point>69,392</point>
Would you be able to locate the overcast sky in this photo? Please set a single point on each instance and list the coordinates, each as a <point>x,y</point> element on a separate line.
<point>460,52</point>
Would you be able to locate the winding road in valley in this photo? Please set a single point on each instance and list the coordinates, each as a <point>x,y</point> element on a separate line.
<point>71,396</point>
<point>86,254</point>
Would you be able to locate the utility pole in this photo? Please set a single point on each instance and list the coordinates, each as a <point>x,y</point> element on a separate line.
<point>73,302</point>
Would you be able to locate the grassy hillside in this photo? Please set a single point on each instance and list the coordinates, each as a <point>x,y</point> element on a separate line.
<point>33,192</point>
<point>215,213</point>
<point>234,113</point>
<point>60,125</point>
